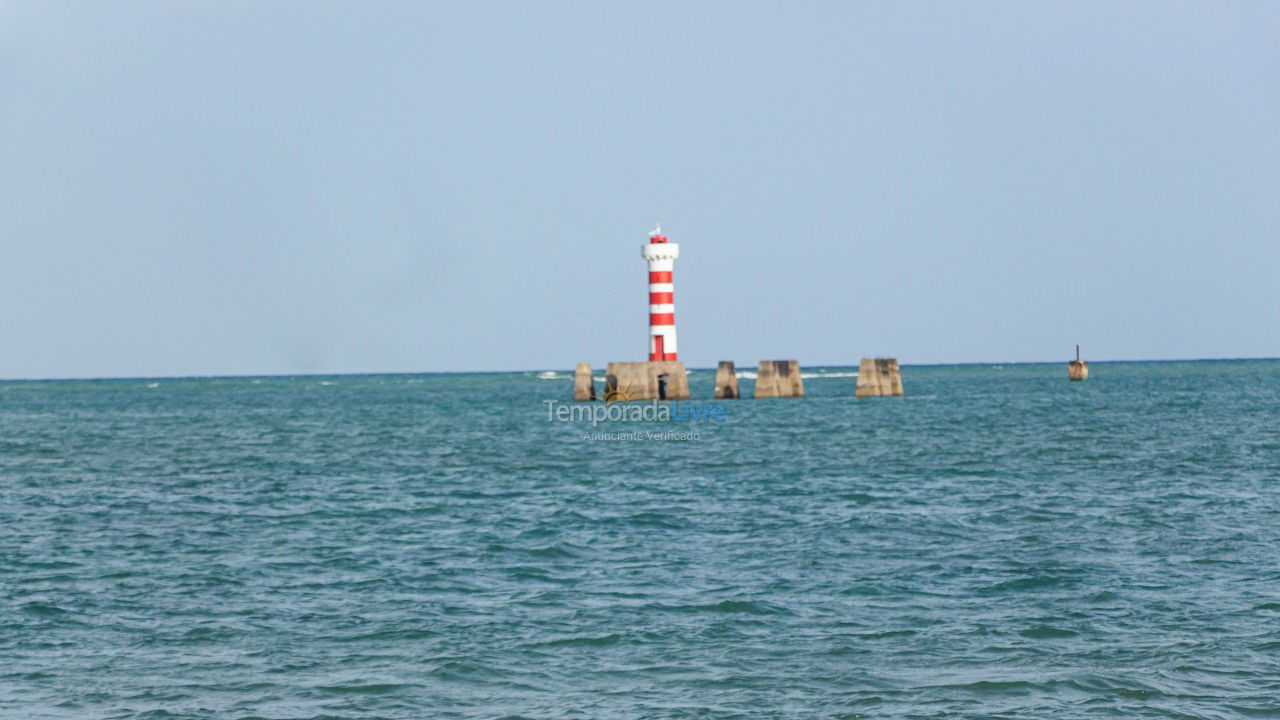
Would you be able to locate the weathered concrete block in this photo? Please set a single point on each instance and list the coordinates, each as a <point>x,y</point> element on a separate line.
<point>779,379</point>
<point>1078,370</point>
<point>584,386</point>
<point>879,377</point>
<point>627,381</point>
<point>726,381</point>
<point>671,377</point>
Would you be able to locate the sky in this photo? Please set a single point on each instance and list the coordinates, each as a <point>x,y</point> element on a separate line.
<point>228,188</point>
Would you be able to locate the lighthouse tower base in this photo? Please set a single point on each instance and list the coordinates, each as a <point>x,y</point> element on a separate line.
<point>627,381</point>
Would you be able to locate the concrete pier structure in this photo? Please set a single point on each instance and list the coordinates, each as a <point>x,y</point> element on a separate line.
<point>629,381</point>
<point>879,377</point>
<point>726,381</point>
<point>584,386</point>
<point>779,379</point>
<point>1078,370</point>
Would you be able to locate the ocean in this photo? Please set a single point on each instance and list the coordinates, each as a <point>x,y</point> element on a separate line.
<point>998,543</point>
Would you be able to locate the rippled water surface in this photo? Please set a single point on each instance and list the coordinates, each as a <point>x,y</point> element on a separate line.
<point>1000,543</point>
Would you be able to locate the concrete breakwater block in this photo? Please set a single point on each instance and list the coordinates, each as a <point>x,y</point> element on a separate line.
<point>779,379</point>
<point>1078,370</point>
<point>726,381</point>
<point>584,386</point>
<point>628,381</point>
<point>879,377</point>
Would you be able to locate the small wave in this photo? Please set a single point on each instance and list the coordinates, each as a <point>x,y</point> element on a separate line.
<point>548,375</point>
<point>153,385</point>
<point>1035,583</point>
<point>364,688</point>
<point>748,374</point>
<point>996,687</point>
<point>1047,632</point>
<point>884,634</point>
<point>44,609</point>
<point>552,551</point>
<point>746,607</point>
<point>604,640</point>
<point>657,519</point>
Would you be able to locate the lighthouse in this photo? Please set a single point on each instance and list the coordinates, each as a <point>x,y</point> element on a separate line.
<point>662,377</point>
<point>661,256</point>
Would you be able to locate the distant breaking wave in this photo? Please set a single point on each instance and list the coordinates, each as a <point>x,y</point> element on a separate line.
<point>807,376</point>
<point>751,375</point>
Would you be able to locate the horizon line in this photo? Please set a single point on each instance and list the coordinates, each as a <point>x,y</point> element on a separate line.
<point>72,378</point>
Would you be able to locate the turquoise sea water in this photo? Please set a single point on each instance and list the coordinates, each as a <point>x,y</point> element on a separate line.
<point>1000,543</point>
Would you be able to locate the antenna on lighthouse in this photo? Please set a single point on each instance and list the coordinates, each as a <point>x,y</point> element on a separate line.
<point>656,231</point>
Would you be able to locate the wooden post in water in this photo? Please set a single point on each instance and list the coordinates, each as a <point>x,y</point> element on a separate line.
<point>1078,370</point>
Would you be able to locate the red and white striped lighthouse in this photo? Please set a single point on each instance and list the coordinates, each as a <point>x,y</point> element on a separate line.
<point>661,256</point>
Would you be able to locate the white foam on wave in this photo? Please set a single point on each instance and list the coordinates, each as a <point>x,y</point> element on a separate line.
<point>548,375</point>
<point>751,375</point>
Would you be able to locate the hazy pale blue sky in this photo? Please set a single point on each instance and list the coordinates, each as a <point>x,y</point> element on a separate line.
<point>230,188</point>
